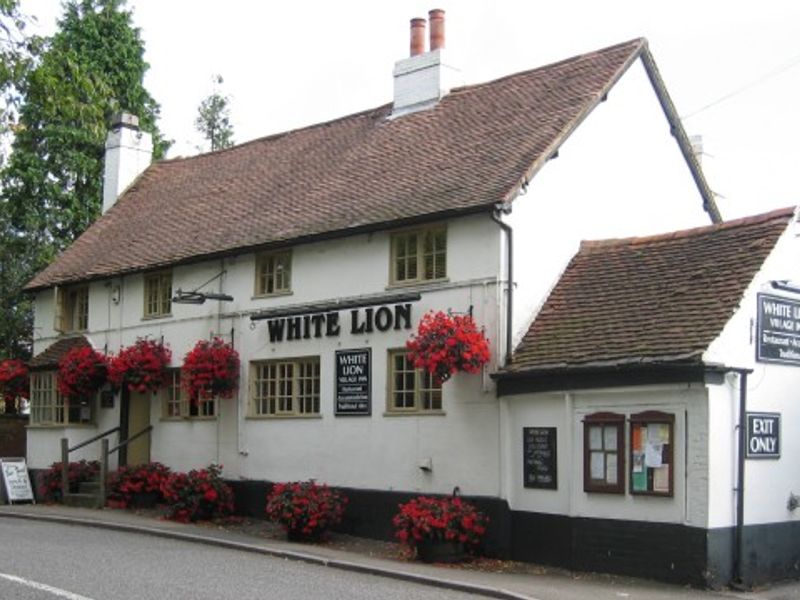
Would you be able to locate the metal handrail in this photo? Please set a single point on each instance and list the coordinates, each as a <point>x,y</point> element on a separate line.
<point>139,434</point>
<point>94,439</point>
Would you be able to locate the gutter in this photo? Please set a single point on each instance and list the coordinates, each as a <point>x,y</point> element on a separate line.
<point>510,261</point>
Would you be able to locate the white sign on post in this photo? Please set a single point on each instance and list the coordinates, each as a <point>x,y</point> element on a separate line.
<point>17,483</point>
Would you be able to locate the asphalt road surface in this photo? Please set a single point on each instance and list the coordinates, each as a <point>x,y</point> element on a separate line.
<point>48,561</point>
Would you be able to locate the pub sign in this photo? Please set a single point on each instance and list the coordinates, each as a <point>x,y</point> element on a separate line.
<point>778,330</point>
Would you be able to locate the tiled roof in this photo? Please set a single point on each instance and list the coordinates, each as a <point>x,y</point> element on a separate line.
<point>361,172</point>
<point>49,357</point>
<point>660,299</point>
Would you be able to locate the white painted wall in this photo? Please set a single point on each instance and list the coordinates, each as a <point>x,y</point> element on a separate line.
<point>566,412</point>
<point>641,185</point>
<point>770,388</point>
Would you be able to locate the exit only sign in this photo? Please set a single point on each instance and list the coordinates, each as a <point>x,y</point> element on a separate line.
<point>763,435</point>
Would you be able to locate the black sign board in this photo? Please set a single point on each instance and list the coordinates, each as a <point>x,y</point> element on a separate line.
<point>540,469</point>
<point>778,330</point>
<point>353,382</point>
<point>763,435</point>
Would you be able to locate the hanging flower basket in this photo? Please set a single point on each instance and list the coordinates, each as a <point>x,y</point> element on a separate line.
<point>81,372</point>
<point>141,367</point>
<point>210,369</point>
<point>445,344</point>
<point>13,382</point>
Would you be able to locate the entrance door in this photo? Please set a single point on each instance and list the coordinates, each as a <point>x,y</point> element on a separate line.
<point>138,418</point>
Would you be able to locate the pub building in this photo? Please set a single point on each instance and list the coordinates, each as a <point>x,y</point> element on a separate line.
<point>600,435</point>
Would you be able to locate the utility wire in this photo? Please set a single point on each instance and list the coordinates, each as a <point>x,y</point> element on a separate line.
<point>793,63</point>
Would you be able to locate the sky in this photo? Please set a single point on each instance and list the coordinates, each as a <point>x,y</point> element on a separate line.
<point>290,64</point>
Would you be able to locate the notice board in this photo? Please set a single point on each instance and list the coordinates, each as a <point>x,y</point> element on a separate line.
<point>17,482</point>
<point>353,382</point>
<point>539,466</point>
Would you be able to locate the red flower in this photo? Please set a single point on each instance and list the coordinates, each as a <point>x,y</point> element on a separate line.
<point>305,506</point>
<point>81,372</point>
<point>198,494</point>
<point>446,518</point>
<point>210,369</point>
<point>445,344</point>
<point>142,366</point>
<point>13,380</point>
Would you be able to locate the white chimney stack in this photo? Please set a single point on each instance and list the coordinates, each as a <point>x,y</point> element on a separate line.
<point>129,151</point>
<point>423,78</point>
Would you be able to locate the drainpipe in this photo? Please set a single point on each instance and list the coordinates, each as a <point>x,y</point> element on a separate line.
<point>742,443</point>
<point>510,261</point>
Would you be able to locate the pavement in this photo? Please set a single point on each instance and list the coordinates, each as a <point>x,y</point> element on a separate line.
<point>547,585</point>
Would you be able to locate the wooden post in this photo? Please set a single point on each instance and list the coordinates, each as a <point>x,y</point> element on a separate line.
<point>103,470</point>
<point>64,468</point>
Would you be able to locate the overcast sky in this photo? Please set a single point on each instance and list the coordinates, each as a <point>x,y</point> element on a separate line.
<point>292,63</point>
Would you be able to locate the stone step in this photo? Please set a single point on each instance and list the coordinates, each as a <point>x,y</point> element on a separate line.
<point>82,500</point>
<point>89,487</point>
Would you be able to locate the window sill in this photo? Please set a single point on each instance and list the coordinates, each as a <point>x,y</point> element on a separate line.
<point>415,413</point>
<point>418,283</point>
<point>156,317</point>
<point>186,419</point>
<point>273,295</point>
<point>280,417</point>
<point>62,426</point>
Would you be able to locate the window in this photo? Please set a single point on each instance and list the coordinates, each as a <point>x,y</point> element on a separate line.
<point>157,294</point>
<point>274,273</point>
<point>411,390</point>
<point>176,402</point>
<point>72,309</point>
<point>48,407</point>
<point>652,453</point>
<point>603,453</point>
<point>419,255</point>
<point>285,388</point>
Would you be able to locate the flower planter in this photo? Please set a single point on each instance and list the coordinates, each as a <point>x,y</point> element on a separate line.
<point>144,500</point>
<point>297,535</point>
<point>440,551</point>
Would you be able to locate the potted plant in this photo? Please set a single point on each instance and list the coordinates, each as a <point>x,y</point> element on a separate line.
<point>81,372</point>
<point>77,472</point>
<point>13,382</point>
<point>198,495</point>
<point>445,344</point>
<point>210,369</point>
<point>305,509</point>
<point>441,529</point>
<point>138,486</point>
<point>141,367</point>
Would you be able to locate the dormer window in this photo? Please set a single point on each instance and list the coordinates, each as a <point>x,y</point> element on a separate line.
<point>72,309</point>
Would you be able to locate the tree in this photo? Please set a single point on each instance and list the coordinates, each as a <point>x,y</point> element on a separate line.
<point>52,183</point>
<point>213,119</point>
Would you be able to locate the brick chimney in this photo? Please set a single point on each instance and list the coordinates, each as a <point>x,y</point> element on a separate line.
<point>423,78</point>
<point>129,151</point>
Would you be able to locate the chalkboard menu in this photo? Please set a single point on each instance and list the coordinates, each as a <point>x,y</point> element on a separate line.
<point>353,382</point>
<point>540,469</point>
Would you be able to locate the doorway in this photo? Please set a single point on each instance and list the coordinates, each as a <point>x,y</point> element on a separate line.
<point>135,417</point>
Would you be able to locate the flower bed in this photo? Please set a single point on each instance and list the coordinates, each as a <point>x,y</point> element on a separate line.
<point>305,509</point>
<point>445,344</point>
<point>77,472</point>
<point>14,382</point>
<point>449,519</point>
<point>197,495</point>
<point>81,372</point>
<point>141,367</point>
<point>210,369</point>
<point>138,486</point>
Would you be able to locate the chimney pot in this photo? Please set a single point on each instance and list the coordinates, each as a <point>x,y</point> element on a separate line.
<point>417,36</point>
<point>436,18</point>
<point>124,119</point>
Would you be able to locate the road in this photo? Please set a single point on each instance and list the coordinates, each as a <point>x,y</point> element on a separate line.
<point>45,561</point>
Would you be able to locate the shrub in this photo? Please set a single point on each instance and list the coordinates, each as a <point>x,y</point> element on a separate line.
<point>77,472</point>
<point>305,508</point>
<point>449,519</point>
<point>197,495</point>
<point>128,484</point>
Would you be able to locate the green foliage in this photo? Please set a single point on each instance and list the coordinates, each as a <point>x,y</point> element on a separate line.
<point>214,120</point>
<point>51,185</point>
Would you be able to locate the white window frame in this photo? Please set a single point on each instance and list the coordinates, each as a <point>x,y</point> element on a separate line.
<point>287,387</point>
